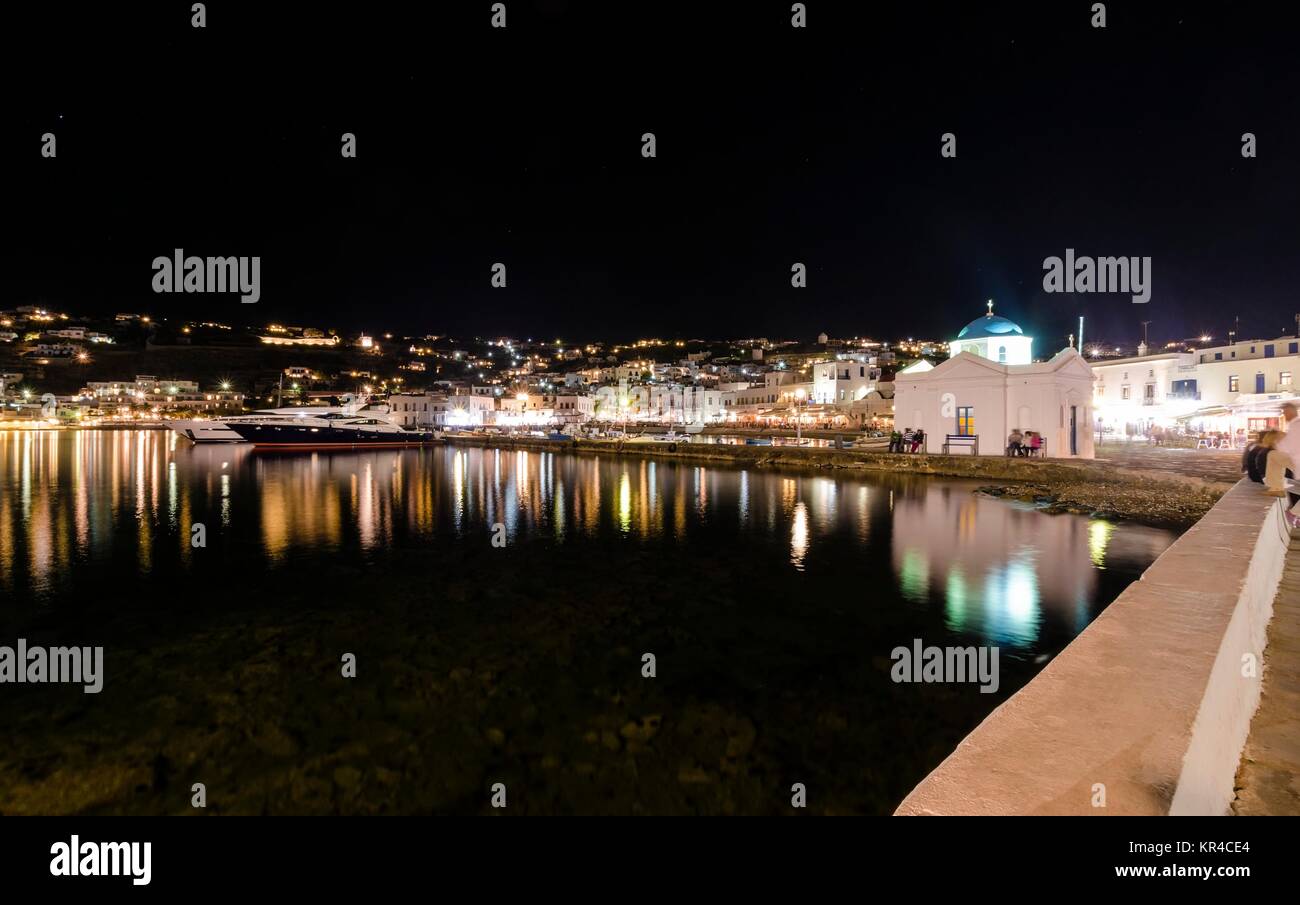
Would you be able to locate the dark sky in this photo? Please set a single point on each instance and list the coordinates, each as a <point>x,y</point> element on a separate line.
<point>775,145</point>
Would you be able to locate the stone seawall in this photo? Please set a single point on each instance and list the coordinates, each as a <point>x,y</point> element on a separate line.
<point>1148,709</point>
<point>1060,485</point>
<point>994,468</point>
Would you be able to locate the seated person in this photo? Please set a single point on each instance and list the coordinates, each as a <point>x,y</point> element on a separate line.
<point>1014,442</point>
<point>1256,463</point>
<point>1275,468</point>
<point>1250,451</point>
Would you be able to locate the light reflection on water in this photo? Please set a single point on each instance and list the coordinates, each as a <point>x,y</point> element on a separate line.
<point>75,502</point>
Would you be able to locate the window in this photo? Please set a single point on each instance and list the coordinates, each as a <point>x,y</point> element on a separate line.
<point>1002,354</point>
<point>966,420</point>
<point>1151,373</point>
<point>1284,379</point>
<point>1101,390</point>
<point>1123,392</point>
<point>1293,349</point>
<point>1268,351</point>
<point>1151,392</point>
<point>1232,384</point>
<point>1218,356</point>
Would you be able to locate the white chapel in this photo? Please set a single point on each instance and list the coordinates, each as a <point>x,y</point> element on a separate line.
<point>990,385</point>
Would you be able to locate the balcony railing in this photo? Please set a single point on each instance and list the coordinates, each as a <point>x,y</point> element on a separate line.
<point>1184,394</point>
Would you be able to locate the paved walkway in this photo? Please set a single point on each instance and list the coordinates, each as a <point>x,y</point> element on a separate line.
<point>1209,465</point>
<point>1268,780</point>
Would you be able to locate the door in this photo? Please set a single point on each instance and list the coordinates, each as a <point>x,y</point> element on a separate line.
<point>1074,424</point>
<point>1259,383</point>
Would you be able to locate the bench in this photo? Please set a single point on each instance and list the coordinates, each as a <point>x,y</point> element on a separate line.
<point>968,440</point>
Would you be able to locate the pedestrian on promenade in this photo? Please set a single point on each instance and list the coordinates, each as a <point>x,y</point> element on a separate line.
<point>1289,443</point>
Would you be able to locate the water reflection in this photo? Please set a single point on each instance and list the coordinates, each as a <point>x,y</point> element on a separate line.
<point>126,501</point>
<point>1005,567</point>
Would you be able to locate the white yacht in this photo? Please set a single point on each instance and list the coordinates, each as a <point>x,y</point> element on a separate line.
<point>332,431</point>
<point>218,430</point>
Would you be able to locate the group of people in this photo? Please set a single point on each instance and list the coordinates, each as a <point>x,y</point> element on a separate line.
<point>1028,443</point>
<point>907,441</point>
<point>1271,459</point>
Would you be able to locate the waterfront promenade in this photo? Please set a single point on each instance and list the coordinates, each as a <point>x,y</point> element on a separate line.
<point>1148,711</point>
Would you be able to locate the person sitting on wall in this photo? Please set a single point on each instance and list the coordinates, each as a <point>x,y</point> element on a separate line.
<point>907,439</point>
<point>1248,454</point>
<point>1035,443</point>
<point>1258,458</point>
<point>1015,442</point>
<point>1276,466</point>
<point>917,439</point>
<point>895,441</point>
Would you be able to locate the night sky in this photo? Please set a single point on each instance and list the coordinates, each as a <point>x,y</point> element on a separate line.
<point>775,145</point>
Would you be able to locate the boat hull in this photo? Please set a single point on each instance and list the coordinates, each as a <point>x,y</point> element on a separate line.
<point>292,437</point>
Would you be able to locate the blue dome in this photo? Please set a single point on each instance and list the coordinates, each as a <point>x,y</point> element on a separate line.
<point>990,325</point>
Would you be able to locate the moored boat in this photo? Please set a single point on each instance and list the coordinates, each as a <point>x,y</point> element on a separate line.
<point>331,432</point>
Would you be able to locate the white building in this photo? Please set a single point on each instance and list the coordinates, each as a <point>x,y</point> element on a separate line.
<point>975,395</point>
<point>418,410</point>
<point>843,381</point>
<point>573,408</point>
<point>525,409</point>
<point>470,410</point>
<point>1231,388</point>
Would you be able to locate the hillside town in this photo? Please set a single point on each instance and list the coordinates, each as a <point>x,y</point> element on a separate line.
<point>60,369</point>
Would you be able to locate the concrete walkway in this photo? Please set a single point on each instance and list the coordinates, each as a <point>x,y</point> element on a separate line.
<point>1210,466</point>
<point>1268,780</point>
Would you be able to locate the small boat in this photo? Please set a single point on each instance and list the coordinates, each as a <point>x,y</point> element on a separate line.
<point>670,437</point>
<point>758,441</point>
